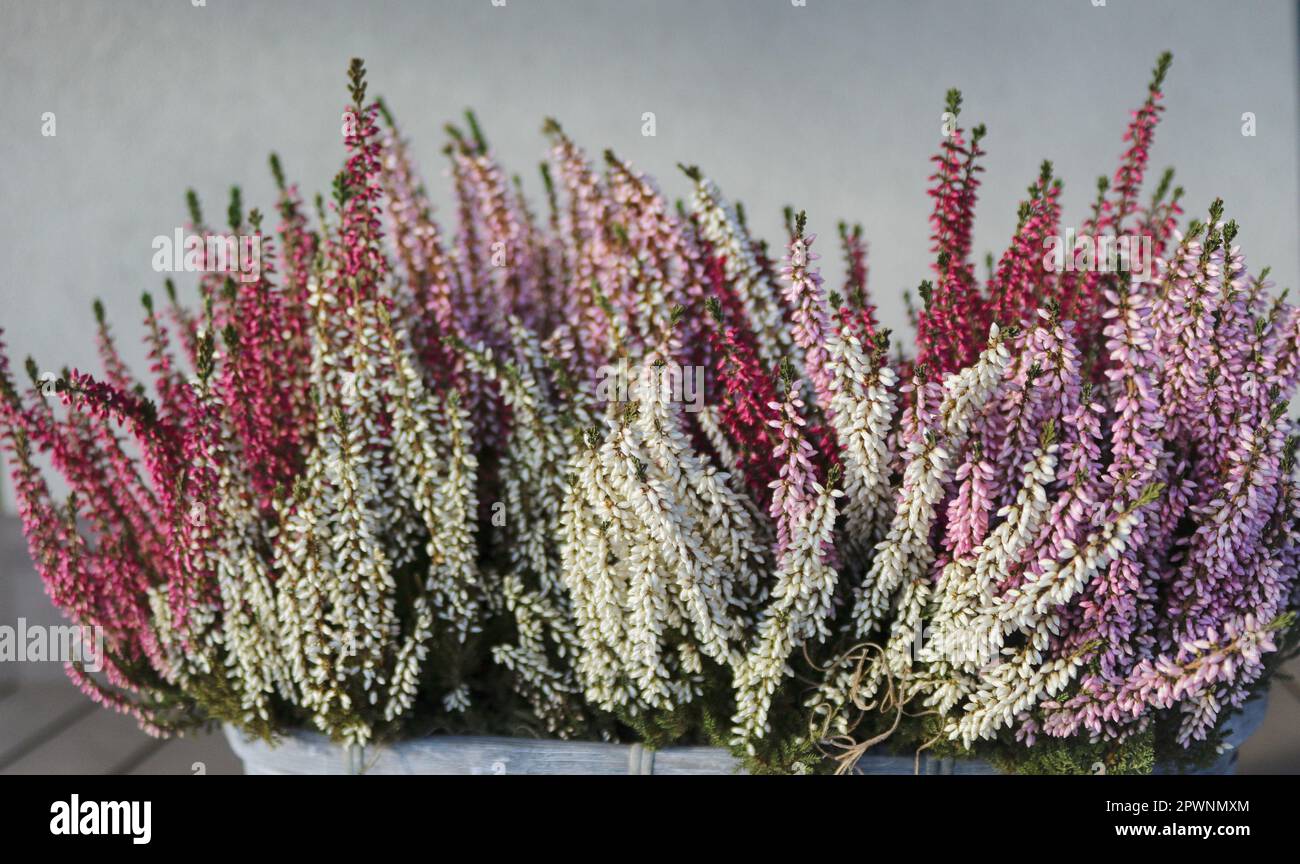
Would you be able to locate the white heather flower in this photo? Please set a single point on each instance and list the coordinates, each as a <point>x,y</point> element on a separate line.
<point>862,413</point>
<point>720,226</point>
<point>593,530</point>
<point>798,612</point>
<point>456,701</point>
<point>904,556</point>
<point>536,456</point>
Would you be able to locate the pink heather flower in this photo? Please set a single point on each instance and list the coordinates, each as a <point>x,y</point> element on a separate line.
<point>502,256</point>
<point>1079,482</point>
<point>1112,611</point>
<point>803,294</point>
<point>969,509</point>
<point>668,271</point>
<point>584,238</point>
<point>298,245</point>
<point>855,284</point>
<point>794,492</point>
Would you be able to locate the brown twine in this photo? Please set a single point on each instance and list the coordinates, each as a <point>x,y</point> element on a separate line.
<point>843,748</point>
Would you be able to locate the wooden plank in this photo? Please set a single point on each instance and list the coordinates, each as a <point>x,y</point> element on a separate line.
<point>98,743</point>
<point>690,760</point>
<point>35,713</point>
<point>185,755</point>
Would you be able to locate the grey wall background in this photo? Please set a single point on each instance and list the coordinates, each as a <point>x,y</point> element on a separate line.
<point>833,107</point>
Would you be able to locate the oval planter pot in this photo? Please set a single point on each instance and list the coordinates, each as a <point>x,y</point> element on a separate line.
<point>313,753</point>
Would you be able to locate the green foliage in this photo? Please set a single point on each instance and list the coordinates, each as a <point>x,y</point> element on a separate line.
<point>1135,755</point>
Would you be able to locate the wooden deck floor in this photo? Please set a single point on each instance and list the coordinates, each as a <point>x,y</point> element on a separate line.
<point>52,728</point>
<point>48,727</point>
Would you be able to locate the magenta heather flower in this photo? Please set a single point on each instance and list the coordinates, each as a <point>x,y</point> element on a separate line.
<point>1020,278</point>
<point>948,330</point>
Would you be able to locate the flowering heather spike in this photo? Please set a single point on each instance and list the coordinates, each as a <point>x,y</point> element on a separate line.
<point>948,331</point>
<point>743,269</point>
<point>803,294</point>
<point>585,240</point>
<point>1020,281</point>
<point>667,264</point>
<point>862,411</point>
<point>1160,218</point>
<point>1081,293</point>
<point>968,512</point>
<point>748,392</point>
<point>432,289</point>
<point>115,370</point>
<point>855,284</point>
<point>503,255</point>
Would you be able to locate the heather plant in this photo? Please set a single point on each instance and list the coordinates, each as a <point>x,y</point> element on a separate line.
<point>380,486</point>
